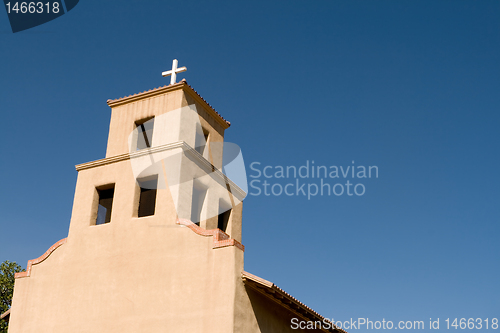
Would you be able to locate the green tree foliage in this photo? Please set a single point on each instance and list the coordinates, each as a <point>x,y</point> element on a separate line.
<point>7,271</point>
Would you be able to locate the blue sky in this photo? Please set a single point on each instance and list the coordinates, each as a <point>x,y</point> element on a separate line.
<point>411,87</point>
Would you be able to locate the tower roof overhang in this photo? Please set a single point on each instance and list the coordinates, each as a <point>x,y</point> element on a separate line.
<point>165,89</point>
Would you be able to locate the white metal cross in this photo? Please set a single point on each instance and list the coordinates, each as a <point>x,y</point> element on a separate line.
<point>174,72</point>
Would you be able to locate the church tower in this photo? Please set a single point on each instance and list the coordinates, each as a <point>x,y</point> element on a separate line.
<point>154,242</point>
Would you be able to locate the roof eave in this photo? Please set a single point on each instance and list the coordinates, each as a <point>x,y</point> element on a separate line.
<point>161,90</point>
<point>277,294</point>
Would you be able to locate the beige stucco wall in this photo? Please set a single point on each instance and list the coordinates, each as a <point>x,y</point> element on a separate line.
<point>130,275</point>
<point>144,279</point>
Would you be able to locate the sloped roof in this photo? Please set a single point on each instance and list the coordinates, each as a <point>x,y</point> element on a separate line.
<point>270,290</point>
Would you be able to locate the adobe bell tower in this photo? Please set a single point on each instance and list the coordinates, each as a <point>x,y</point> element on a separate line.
<point>165,151</point>
<point>155,234</point>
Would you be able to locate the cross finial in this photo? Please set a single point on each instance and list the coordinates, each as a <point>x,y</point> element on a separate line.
<point>174,71</point>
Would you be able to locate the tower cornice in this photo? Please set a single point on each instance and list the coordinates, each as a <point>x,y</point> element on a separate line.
<point>188,150</point>
<point>162,90</point>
